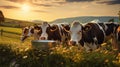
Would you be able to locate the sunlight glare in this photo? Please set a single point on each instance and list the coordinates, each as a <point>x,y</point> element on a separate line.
<point>25,7</point>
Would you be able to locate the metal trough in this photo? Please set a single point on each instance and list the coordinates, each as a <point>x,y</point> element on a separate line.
<point>43,44</point>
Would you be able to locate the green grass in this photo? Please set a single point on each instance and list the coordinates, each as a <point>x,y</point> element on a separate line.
<point>12,30</point>
<point>17,23</point>
<point>12,36</point>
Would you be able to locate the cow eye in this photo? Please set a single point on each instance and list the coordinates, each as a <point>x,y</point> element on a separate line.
<point>79,32</point>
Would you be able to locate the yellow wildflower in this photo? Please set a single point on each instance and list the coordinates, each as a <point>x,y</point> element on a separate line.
<point>106,60</point>
<point>104,44</point>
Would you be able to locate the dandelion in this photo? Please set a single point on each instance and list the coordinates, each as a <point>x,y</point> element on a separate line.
<point>37,58</point>
<point>106,52</point>
<point>97,50</point>
<point>24,57</point>
<point>119,60</point>
<point>117,57</point>
<point>4,50</point>
<point>118,54</point>
<point>104,44</point>
<point>26,49</point>
<point>106,60</point>
<point>21,50</point>
<point>114,61</point>
<point>115,49</point>
<point>62,63</point>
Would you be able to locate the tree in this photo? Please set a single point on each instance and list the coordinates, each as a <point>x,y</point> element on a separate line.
<point>2,19</point>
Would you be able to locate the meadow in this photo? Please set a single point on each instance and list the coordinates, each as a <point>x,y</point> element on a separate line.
<point>14,53</point>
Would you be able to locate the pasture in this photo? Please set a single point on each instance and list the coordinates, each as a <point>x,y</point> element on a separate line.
<point>13,53</point>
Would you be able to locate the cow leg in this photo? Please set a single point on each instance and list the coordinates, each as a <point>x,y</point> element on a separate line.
<point>115,44</point>
<point>87,47</point>
<point>80,47</point>
<point>93,46</point>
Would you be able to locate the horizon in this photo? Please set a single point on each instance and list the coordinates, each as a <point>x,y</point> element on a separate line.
<point>60,18</point>
<point>56,9</point>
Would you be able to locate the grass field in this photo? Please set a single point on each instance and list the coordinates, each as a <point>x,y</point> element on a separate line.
<point>12,36</point>
<point>12,30</point>
<point>17,23</point>
<point>13,53</point>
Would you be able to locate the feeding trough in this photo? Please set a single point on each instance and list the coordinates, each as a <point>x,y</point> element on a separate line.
<point>43,44</point>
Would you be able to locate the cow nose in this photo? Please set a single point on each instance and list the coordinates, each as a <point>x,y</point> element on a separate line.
<point>42,38</point>
<point>72,43</point>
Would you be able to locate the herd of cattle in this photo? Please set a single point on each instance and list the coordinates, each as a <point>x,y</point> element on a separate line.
<point>89,35</point>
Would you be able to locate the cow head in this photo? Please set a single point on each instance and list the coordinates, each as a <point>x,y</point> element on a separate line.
<point>26,32</point>
<point>75,33</point>
<point>47,30</point>
<point>31,30</point>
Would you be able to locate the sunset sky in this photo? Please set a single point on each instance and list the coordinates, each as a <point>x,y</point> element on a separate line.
<point>50,10</point>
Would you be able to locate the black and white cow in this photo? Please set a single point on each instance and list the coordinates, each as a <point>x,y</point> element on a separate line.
<point>91,35</point>
<point>30,31</point>
<point>110,29</point>
<point>54,32</point>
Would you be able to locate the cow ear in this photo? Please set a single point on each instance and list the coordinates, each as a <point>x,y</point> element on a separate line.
<point>35,26</point>
<point>66,27</point>
<point>53,28</point>
<point>87,28</point>
<point>32,30</point>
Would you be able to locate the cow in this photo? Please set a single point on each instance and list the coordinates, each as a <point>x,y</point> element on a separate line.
<point>90,36</point>
<point>118,33</point>
<point>54,32</point>
<point>29,31</point>
<point>116,41</point>
<point>110,29</point>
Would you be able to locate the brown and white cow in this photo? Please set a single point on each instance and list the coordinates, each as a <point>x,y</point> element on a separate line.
<point>29,31</point>
<point>91,35</point>
<point>54,32</point>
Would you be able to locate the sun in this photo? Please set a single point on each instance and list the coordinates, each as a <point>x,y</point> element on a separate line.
<point>25,7</point>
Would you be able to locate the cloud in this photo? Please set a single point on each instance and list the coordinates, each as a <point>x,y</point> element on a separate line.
<point>45,5</point>
<point>79,0</point>
<point>59,3</point>
<point>43,2</point>
<point>108,2</point>
<point>17,1</point>
<point>39,11</point>
<point>9,7</point>
<point>112,2</point>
